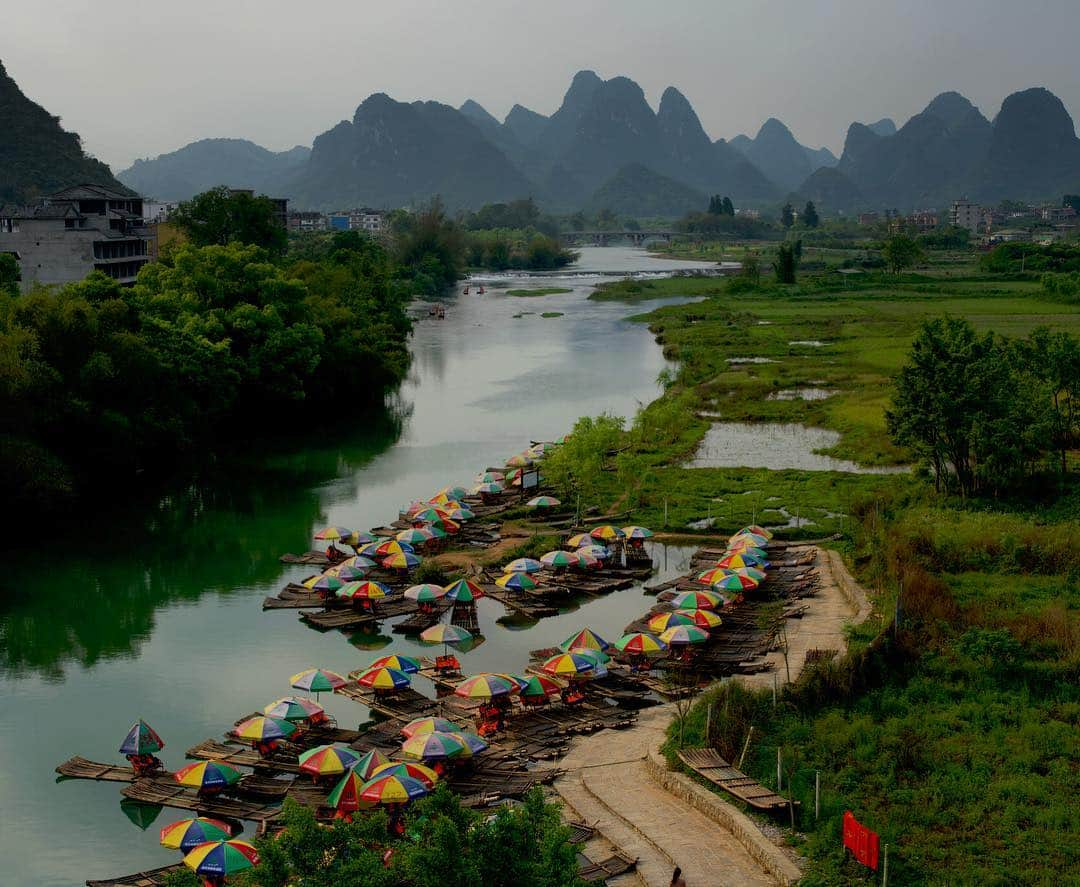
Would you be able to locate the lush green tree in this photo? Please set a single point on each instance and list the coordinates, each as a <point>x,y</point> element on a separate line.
<point>810,215</point>
<point>787,215</point>
<point>577,221</point>
<point>576,469</point>
<point>785,264</point>
<point>900,252</point>
<point>1053,359</point>
<point>751,267</point>
<point>716,205</point>
<point>729,207</point>
<point>606,220</point>
<point>431,246</point>
<point>10,275</point>
<point>220,216</point>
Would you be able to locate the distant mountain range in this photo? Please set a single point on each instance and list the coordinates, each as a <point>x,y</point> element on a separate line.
<point>603,147</point>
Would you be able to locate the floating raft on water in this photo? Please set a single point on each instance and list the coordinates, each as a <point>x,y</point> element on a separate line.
<point>239,756</point>
<point>149,878</point>
<point>706,762</point>
<point>250,786</point>
<point>150,791</point>
<point>83,768</point>
<point>405,703</point>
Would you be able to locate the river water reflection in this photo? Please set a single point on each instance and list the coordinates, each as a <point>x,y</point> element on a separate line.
<point>154,612</point>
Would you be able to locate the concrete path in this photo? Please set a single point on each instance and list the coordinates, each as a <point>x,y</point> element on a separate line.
<point>607,785</point>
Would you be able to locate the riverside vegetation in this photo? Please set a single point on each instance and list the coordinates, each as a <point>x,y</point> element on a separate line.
<point>950,725</point>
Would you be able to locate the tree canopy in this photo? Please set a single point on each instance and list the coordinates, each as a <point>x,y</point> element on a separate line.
<point>220,216</point>
<point>900,252</point>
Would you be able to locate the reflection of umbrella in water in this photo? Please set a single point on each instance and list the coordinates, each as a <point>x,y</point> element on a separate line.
<point>141,815</point>
<point>370,639</point>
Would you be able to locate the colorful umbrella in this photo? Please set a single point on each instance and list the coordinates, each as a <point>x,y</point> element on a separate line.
<point>697,600</point>
<point>513,478</point>
<point>748,539</point>
<point>391,788</point>
<point>443,633</point>
<point>444,524</point>
<point>586,639</point>
<point>333,534</point>
<point>263,729</point>
<point>520,460</point>
<point>348,572</point>
<point>345,796</point>
<point>492,488</point>
<point>324,583</point>
<point>664,621</point>
<point>369,762</point>
<point>684,634</point>
<point>222,858</point>
<point>517,582</point>
<point>756,531</point>
<point>752,573</point>
<point>363,591</point>
<point>384,679</point>
<point>392,546</point>
<point>436,530</point>
<point>753,551</point>
<point>486,686</point>
<point>448,493</point>
<point>731,580</point>
<point>702,618</point>
<point>639,642</point>
<point>580,541</point>
<point>357,560</point>
<point>293,708</point>
<point>634,532</point>
<point>569,665</point>
<point>420,726</point>
<point>404,561</point>
<point>411,769</point>
<point>541,502</point>
<point>141,740</point>
<point>588,561</point>
<point>597,658</point>
<point>542,448</point>
<point>431,513</point>
<point>490,477</point>
<point>459,513</point>
<point>558,560</point>
<point>606,532</point>
<point>404,664</point>
<point>737,561</point>
<point>316,680</point>
<point>328,760</point>
<point>415,536</point>
<point>435,747</point>
<point>538,685</point>
<point>473,742</point>
<point>523,565</point>
<point>464,591</point>
<point>596,552</point>
<point>207,774</point>
<point>356,538</point>
<point>425,593</point>
<point>186,834</point>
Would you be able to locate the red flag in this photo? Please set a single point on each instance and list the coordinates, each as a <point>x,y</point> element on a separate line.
<point>862,842</point>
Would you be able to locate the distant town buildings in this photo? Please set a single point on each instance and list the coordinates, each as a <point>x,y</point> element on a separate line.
<point>67,235</point>
<point>965,214</point>
<point>868,219</point>
<point>301,222</point>
<point>373,221</point>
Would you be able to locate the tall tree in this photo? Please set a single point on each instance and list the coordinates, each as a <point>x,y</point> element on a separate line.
<point>9,274</point>
<point>219,216</point>
<point>900,252</point>
<point>787,215</point>
<point>729,207</point>
<point>809,215</point>
<point>785,263</point>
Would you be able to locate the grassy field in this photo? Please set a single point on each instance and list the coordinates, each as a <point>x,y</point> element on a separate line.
<point>955,733</point>
<point>539,291</point>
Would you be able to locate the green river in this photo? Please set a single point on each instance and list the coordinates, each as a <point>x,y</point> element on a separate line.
<point>153,610</point>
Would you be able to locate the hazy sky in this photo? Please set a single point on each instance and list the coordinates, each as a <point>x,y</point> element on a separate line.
<point>139,79</point>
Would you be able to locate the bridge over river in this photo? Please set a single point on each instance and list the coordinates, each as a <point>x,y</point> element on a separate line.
<point>603,238</point>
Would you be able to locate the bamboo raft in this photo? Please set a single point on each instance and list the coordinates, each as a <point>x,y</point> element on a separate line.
<point>82,768</point>
<point>707,763</point>
<point>149,878</point>
<point>308,558</point>
<point>239,756</point>
<point>516,603</point>
<point>260,787</point>
<point>616,864</point>
<point>150,791</point>
<point>340,619</point>
<point>418,622</point>
<point>404,704</point>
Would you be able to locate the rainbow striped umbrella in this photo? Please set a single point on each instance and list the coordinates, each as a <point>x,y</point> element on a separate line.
<point>557,560</point>
<point>369,762</point>
<point>513,478</point>
<point>186,834</point>
<point>702,618</point>
<point>443,633</point>
<point>404,561</point>
<point>541,502</point>
<point>263,729</point>
<point>363,591</point>
<point>371,550</point>
<point>357,538</point>
<point>391,789</point>
<point>538,685</point>
<point>749,551</point>
<point>435,747</point>
<point>293,708</point>
<point>745,538</point>
<point>684,634</point>
<point>316,680</point>
<point>348,572</point>
<point>431,513</point>
<point>523,565</point>
<point>345,796</point>
<point>487,685</point>
<point>490,477</point>
<point>635,532</point>
<point>473,742</point>
<point>519,460</point>
<point>324,583</point>
<point>464,591</point>
<point>384,678</point>
<point>141,740</point>
<point>207,774</point>
<point>752,573</point>
<point>732,580</point>
<point>328,760</point>
<point>411,769</point>
<point>222,858</point>
<point>580,541</point>
<point>450,493</point>
<point>425,593</point>
<point>542,448</point>
<point>569,665</point>
<point>517,582</point>
<point>459,513</point>
<point>404,664</point>
<point>444,524</point>
<point>333,534</point>
<point>357,560</point>
<point>491,488</point>
<point>586,639</point>
<point>436,530</point>
<point>697,600</point>
<point>738,561</point>
<point>755,530</point>
<point>598,658</point>
<point>420,726</point>
<point>415,536</point>
<point>392,546</point>
<point>639,642</point>
<point>596,552</point>
<point>606,532</point>
<point>664,621</point>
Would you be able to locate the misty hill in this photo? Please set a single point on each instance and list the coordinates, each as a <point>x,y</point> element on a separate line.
<point>37,156</point>
<point>394,154</point>
<point>636,190</point>
<point>830,190</point>
<point>775,151</point>
<point>526,125</point>
<point>208,163</point>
